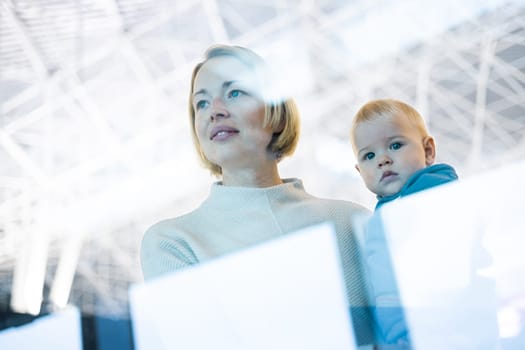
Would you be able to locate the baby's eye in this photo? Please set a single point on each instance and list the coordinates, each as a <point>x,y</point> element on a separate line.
<point>369,156</point>
<point>201,104</point>
<point>395,146</point>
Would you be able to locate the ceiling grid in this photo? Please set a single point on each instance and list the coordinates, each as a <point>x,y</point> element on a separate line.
<point>94,134</point>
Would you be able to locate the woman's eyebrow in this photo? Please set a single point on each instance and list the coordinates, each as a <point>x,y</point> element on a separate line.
<point>225,85</point>
<point>201,91</point>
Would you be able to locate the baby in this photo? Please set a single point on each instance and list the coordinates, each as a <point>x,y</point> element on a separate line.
<point>395,157</point>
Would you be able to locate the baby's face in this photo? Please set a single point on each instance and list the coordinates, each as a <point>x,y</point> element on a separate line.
<point>389,150</point>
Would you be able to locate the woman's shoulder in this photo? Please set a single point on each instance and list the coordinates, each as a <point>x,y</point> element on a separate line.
<point>162,225</point>
<point>166,247</point>
<point>327,202</point>
<point>161,231</point>
<point>340,212</point>
<point>341,204</point>
<point>170,226</point>
<point>172,235</point>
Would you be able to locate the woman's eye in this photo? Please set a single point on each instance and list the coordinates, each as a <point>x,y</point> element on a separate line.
<point>234,93</point>
<point>369,156</point>
<point>395,146</point>
<point>201,104</point>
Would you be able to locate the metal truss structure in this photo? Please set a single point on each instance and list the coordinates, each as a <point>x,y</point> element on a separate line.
<point>94,137</point>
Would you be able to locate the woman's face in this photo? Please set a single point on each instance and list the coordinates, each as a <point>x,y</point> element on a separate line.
<point>229,113</point>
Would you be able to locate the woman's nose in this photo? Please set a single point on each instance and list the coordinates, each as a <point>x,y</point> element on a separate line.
<point>218,110</point>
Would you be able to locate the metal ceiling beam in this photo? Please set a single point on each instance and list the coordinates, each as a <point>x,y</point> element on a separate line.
<point>215,21</point>
<point>486,61</point>
<point>33,53</point>
<point>21,158</point>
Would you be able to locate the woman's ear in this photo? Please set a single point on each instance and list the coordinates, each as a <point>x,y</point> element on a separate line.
<point>430,150</point>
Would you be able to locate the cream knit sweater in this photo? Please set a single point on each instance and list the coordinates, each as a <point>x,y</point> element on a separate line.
<point>232,218</point>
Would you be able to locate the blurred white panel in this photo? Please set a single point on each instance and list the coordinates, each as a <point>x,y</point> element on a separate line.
<point>457,252</point>
<point>259,298</point>
<point>57,331</point>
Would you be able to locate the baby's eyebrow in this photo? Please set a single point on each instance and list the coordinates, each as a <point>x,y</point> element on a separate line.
<point>364,149</point>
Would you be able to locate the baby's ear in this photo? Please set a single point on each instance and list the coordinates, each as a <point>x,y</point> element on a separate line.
<point>430,150</point>
<point>357,168</point>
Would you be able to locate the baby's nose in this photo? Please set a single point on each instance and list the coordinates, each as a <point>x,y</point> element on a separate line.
<point>385,160</point>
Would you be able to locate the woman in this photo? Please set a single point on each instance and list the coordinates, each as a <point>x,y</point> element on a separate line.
<point>241,130</point>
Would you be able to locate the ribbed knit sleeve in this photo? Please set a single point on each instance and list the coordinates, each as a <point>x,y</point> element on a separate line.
<point>161,253</point>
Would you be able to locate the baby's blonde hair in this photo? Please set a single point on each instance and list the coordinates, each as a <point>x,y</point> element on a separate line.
<point>386,108</point>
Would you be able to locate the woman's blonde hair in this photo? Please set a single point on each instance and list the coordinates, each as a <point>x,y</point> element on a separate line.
<point>279,111</point>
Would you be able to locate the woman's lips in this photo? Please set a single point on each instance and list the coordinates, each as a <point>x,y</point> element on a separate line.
<point>222,132</point>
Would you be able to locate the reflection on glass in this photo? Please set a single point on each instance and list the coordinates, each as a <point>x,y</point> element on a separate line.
<point>457,257</point>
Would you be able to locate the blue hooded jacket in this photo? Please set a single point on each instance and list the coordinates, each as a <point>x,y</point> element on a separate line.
<point>388,312</point>
<point>423,179</point>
